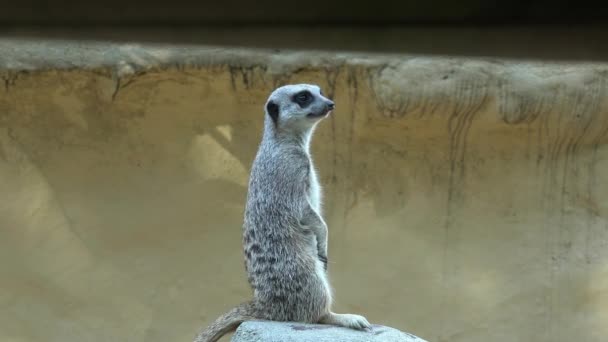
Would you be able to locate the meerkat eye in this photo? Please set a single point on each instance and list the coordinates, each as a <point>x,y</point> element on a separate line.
<point>302,98</point>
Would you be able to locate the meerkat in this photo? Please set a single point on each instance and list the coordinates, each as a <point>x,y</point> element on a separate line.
<point>284,234</point>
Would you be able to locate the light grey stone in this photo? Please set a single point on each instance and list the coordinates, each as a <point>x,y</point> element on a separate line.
<point>266,331</point>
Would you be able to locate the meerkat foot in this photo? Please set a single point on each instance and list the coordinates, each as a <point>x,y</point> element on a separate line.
<point>346,320</point>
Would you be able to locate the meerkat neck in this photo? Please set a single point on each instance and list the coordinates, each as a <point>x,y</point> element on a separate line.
<point>299,139</point>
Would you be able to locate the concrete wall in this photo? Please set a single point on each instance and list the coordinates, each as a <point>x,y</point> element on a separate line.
<point>556,44</point>
<point>466,198</point>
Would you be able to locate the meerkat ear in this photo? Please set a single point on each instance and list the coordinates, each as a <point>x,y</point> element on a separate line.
<point>273,110</point>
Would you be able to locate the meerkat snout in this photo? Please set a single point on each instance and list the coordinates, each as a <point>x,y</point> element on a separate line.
<point>324,111</point>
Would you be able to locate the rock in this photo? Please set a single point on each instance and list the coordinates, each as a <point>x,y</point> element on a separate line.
<point>266,331</point>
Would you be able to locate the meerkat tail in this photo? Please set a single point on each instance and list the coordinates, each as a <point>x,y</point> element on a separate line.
<point>226,323</point>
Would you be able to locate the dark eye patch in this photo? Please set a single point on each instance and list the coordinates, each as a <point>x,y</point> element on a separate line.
<point>273,110</point>
<point>303,98</point>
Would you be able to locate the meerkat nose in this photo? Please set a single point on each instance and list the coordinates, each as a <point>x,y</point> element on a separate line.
<point>331,105</point>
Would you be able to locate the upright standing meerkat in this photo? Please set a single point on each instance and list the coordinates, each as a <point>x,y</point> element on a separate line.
<point>284,234</point>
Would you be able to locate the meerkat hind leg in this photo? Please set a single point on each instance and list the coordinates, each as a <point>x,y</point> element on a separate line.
<point>346,320</point>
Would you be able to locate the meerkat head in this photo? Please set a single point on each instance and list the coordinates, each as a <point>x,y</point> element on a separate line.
<point>297,106</point>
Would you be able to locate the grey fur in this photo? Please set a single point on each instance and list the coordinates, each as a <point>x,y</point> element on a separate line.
<point>284,234</point>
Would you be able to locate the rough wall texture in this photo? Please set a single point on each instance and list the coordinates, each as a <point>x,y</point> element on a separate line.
<point>466,198</point>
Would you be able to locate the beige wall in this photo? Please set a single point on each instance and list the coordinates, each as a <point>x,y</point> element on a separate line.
<point>466,199</point>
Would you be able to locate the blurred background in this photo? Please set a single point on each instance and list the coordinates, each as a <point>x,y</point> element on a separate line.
<point>463,168</point>
<point>537,28</point>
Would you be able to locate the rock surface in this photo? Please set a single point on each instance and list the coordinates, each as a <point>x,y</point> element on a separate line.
<point>259,331</point>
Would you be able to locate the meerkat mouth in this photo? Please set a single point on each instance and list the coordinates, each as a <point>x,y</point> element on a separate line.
<point>318,115</point>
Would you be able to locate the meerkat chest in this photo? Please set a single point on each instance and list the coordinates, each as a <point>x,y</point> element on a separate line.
<point>314,190</point>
